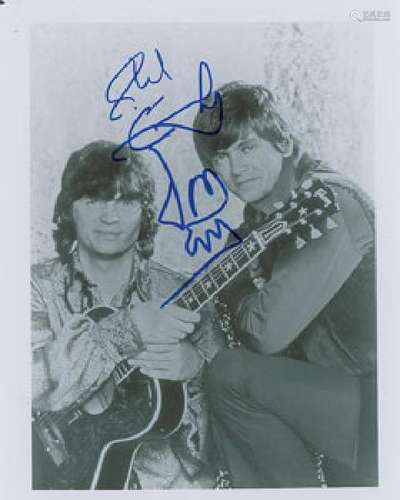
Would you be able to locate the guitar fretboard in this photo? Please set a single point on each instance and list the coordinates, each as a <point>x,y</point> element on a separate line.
<point>223,271</point>
<point>310,205</point>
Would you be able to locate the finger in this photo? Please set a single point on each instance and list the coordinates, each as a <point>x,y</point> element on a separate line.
<point>182,314</point>
<point>177,324</point>
<point>168,336</point>
<point>168,324</point>
<point>157,340</point>
<point>154,357</point>
<point>155,364</point>
<point>162,374</point>
<point>161,348</point>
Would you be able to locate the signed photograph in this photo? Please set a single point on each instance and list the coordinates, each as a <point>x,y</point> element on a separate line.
<point>203,256</point>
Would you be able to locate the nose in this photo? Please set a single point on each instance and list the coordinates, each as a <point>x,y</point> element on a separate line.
<point>236,163</point>
<point>109,214</point>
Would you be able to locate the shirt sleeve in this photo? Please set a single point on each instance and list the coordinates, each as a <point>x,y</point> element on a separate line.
<point>73,363</point>
<point>208,337</point>
<point>304,281</point>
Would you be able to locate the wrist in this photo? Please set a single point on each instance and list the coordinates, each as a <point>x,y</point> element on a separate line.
<point>197,360</point>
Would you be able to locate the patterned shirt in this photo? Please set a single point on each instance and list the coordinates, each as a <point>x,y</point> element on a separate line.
<point>61,294</point>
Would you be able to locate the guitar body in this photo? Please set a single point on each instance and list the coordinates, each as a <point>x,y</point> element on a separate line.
<point>92,449</point>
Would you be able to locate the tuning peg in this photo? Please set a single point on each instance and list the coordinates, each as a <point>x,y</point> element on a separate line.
<point>278,215</point>
<point>279,205</point>
<point>307,184</point>
<point>300,243</point>
<point>294,194</point>
<point>330,223</point>
<point>315,233</point>
<point>307,194</point>
<point>293,204</point>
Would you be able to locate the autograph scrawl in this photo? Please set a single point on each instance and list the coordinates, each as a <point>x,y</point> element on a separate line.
<point>201,228</point>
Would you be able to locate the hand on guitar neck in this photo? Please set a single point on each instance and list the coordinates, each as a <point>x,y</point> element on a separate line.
<point>168,354</point>
<point>163,326</point>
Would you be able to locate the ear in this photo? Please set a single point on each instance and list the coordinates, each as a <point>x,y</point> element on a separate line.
<point>287,148</point>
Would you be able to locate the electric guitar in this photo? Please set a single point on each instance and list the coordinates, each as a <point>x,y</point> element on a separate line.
<point>92,445</point>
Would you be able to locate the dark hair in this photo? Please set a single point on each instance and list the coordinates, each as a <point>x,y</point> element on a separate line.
<point>244,106</point>
<point>92,172</point>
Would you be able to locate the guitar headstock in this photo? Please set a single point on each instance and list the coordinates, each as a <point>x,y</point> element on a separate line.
<point>306,216</point>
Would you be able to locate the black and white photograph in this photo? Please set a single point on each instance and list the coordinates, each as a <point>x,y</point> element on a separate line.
<point>204,280</point>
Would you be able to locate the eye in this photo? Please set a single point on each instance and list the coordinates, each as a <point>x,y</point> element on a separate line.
<point>247,148</point>
<point>130,202</point>
<point>219,158</point>
<point>90,201</point>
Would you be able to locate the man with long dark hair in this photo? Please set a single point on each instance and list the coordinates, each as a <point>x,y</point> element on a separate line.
<point>105,221</point>
<point>302,385</point>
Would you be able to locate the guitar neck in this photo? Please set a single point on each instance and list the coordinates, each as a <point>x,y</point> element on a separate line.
<point>311,204</point>
<point>230,264</point>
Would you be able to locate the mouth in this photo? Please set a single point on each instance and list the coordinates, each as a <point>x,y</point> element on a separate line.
<point>245,182</point>
<point>108,234</point>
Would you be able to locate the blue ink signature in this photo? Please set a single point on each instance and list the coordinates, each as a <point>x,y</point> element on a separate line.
<point>207,182</point>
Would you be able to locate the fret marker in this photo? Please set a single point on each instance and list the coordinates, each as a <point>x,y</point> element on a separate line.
<point>228,266</point>
<point>251,246</point>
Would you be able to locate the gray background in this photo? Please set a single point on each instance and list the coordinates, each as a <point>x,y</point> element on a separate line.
<point>320,73</point>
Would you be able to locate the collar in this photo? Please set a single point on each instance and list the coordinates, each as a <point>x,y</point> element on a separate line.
<point>75,281</point>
